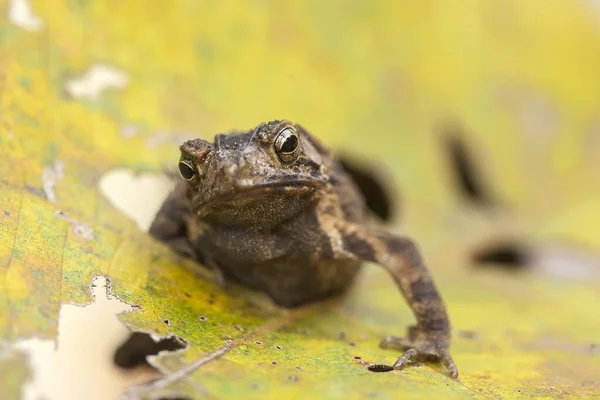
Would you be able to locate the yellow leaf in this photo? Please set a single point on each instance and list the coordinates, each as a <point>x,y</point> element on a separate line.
<point>88,88</point>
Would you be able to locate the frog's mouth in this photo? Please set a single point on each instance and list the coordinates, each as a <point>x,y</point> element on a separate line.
<point>245,193</point>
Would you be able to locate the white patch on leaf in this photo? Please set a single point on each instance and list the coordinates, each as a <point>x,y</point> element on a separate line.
<point>130,130</point>
<point>169,138</point>
<point>96,80</point>
<point>139,196</point>
<point>566,262</point>
<point>50,176</point>
<point>79,228</point>
<point>79,363</point>
<point>21,15</point>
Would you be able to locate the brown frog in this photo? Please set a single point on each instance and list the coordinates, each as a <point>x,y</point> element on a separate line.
<point>272,209</point>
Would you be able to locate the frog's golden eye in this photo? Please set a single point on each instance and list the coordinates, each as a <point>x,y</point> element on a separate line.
<point>286,145</point>
<point>186,170</point>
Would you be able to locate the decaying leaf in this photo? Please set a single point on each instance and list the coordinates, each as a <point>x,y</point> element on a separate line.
<point>90,88</point>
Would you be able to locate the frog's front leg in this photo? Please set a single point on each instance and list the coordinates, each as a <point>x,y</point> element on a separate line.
<point>174,225</point>
<point>430,338</point>
<point>170,224</point>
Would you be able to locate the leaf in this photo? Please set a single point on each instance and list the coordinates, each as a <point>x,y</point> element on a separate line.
<point>87,88</point>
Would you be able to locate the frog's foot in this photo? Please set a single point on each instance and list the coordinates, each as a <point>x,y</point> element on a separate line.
<point>421,346</point>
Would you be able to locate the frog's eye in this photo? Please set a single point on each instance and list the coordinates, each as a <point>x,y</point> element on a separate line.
<point>287,144</point>
<point>186,170</point>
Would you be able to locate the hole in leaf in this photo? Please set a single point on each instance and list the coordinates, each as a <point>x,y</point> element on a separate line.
<point>374,190</point>
<point>139,345</point>
<point>508,255</point>
<point>467,174</point>
<point>380,368</point>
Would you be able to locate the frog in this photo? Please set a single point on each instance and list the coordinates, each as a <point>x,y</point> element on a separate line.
<point>272,209</point>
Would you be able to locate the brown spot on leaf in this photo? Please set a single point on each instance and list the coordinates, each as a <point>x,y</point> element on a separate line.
<point>380,368</point>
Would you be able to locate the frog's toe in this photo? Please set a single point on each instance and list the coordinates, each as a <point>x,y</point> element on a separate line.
<point>421,350</point>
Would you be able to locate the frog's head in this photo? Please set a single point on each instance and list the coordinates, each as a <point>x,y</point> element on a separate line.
<point>260,177</point>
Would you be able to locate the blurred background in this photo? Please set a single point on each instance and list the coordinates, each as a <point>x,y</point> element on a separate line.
<point>481,120</point>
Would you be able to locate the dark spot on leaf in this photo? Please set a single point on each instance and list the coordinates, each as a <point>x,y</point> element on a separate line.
<point>239,328</point>
<point>467,175</point>
<point>167,322</point>
<point>186,294</point>
<point>375,192</point>
<point>33,190</point>
<point>299,368</point>
<point>203,318</point>
<point>257,342</point>
<point>380,368</point>
<point>139,345</point>
<point>357,357</point>
<point>352,344</point>
<point>467,334</point>
<point>278,347</point>
<point>293,378</point>
<point>509,255</point>
<point>273,362</point>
